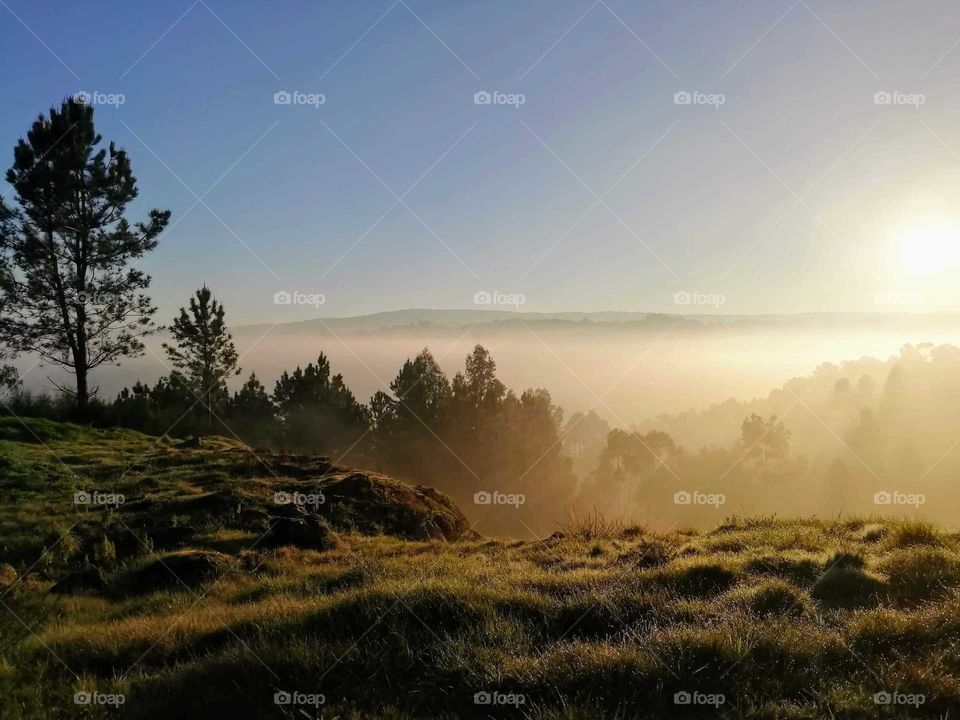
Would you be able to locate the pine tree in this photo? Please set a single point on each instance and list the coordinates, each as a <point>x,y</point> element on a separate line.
<point>67,290</point>
<point>204,357</point>
<point>422,391</point>
<point>317,409</point>
<point>251,412</point>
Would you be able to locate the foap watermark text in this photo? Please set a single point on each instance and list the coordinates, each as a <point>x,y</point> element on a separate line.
<point>485,297</point>
<point>498,498</point>
<point>487,697</point>
<point>515,100</point>
<point>699,298</point>
<point>282,497</point>
<point>685,697</point>
<point>899,498</point>
<point>96,97</point>
<point>297,698</point>
<point>98,698</point>
<point>295,97</point>
<point>895,97</point>
<point>696,97</point>
<point>284,297</point>
<point>94,497</point>
<point>698,498</point>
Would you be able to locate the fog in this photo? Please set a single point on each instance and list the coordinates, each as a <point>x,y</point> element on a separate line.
<point>866,403</point>
<point>628,373</point>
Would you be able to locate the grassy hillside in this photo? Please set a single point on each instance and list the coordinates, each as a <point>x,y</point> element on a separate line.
<point>188,601</point>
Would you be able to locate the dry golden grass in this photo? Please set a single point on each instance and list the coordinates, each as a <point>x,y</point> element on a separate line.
<point>597,621</point>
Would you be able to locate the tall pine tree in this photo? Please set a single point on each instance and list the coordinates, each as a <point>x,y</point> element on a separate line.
<point>68,292</point>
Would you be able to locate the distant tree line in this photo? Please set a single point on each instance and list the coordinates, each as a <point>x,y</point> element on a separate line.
<point>467,435</point>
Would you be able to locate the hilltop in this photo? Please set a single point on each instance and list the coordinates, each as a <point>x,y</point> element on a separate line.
<point>376,601</point>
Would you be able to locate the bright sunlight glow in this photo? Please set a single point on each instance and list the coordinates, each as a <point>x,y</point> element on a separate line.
<point>930,249</point>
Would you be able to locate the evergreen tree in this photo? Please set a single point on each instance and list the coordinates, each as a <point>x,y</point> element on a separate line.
<point>317,410</point>
<point>407,424</point>
<point>422,391</point>
<point>204,357</point>
<point>478,387</point>
<point>381,407</point>
<point>67,289</point>
<point>475,416</point>
<point>156,410</point>
<point>251,412</point>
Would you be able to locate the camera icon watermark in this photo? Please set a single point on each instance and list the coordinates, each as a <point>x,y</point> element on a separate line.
<point>498,498</point>
<point>898,698</point>
<point>895,97</point>
<point>684,497</point>
<point>515,100</point>
<point>914,500</point>
<point>487,697</point>
<point>96,498</point>
<point>495,297</point>
<point>684,97</point>
<point>295,97</point>
<point>685,697</point>
<point>96,97</point>
<point>88,298</point>
<point>297,698</point>
<point>283,297</point>
<point>684,297</point>
<point>98,698</point>
<point>282,497</point>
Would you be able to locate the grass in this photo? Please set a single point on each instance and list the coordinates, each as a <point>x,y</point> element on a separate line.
<point>781,618</point>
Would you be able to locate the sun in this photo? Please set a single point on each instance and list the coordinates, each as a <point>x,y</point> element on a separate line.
<point>928,250</point>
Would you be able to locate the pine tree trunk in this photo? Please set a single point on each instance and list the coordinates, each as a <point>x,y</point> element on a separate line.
<point>83,394</point>
<point>80,364</point>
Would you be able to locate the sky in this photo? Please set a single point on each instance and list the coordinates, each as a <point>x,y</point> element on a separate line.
<point>786,184</point>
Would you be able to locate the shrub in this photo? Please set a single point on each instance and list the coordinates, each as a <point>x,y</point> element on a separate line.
<point>874,533</point>
<point>797,567</point>
<point>773,597</point>
<point>698,578</point>
<point>921,573</point>
<point>104,551</point>
<point>911,533</point>
<point>842,559</point>
<point>594,527</point>
<point>648,554</point>
<point>848,586</point>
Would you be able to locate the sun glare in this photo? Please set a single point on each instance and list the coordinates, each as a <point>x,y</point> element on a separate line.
<point>930,249</point>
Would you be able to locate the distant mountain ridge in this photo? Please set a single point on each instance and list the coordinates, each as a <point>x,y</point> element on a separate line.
<point>640,320</point>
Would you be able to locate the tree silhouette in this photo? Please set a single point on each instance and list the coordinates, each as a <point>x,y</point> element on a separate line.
<point>317,410</point>
<point>422,391</point>
<point>251,412</point>
<point>204,356</point>
<point>67,290</point>
<point>635,455</point>
<point>765,439</point>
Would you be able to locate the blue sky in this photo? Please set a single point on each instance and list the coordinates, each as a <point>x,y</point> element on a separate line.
<point>794,195</point>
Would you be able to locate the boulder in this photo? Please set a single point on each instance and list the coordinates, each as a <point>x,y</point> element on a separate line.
<point>374,503</point>
<point>189,568</point>
<point>306,531</point>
